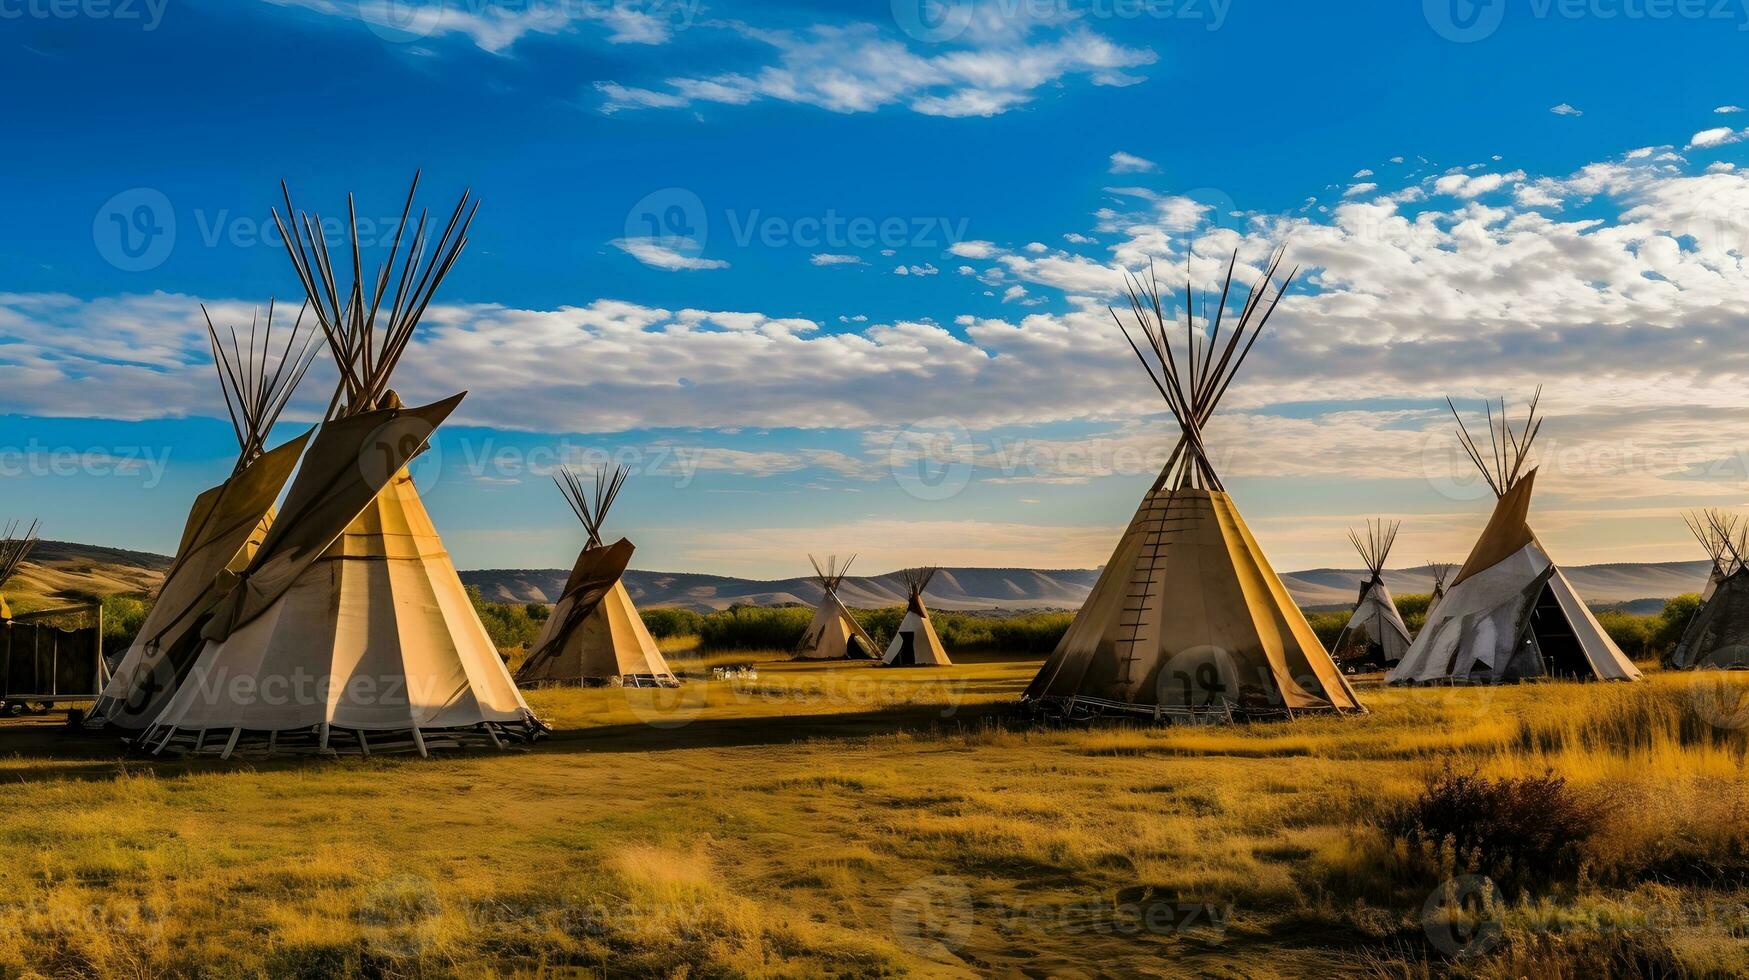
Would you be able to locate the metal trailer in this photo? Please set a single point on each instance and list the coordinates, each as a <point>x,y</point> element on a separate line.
<point>51,657</point>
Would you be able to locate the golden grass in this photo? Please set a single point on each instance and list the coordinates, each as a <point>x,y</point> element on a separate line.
<point>845,819</point>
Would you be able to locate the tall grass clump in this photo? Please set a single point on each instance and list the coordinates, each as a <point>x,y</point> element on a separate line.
<point>1521,831</point>
<point>122,618</point>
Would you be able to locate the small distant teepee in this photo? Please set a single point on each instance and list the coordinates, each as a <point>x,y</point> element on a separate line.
<point>1510,614</point>
<point>915,644</point>
<point>1441,571</point>
<point>14,548</point>
<point>1375,637</point>
<point>833,634</point>
<point>1718,634</point>
<point>595,635</point>
<point>258,374</point>
<point>1188,620</point>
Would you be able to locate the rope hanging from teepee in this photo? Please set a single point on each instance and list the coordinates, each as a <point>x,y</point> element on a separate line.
<point>592,514</point>
<point>1194,379</point>
<point>366,340</point>
<point>257,384</point>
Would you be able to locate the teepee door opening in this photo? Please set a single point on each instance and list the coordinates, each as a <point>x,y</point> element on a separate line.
<point>906,655</point>
<point>1556,643</point>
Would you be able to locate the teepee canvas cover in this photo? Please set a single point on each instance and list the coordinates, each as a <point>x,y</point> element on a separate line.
<point>1375,636</point>
<point>224,527</point>
<point>833,634</point>
<point>14,548</point>
<point>350,628</point>
<point>1717,636</point>
<point>1188,620</point>
<point>1510,614</point>
<point>915,643</point>
<point>595,635</point>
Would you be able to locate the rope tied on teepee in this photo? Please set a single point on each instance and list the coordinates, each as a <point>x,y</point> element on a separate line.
<point>1194,380</point>
<point>367,341</point>
<point>592,513</point>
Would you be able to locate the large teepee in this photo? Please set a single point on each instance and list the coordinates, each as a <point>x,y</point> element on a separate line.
<point>14,548</point>
<point>915,643</point>
<point>1718,634</point>
<point>350,628</point>
<point>595,635</point>
<point>1375,637</point>
<point>833,634</point>
<point>1510,614</point>
<point>1188,620</point>
<point>258,373</point>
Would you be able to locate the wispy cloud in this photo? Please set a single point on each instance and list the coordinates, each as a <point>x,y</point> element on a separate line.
<point>667,253</point>
<point>1566,110</point>
<point>827,258</point>
<point>1129,163</point>
<point>1717,136</point>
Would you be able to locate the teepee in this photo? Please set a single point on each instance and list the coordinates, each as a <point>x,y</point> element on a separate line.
<point>1375,637</point>
<point>1510,614</point>
<point>833,634</point>
<point>14,548</point>
<point>350,629</point>
<point>257,376</point>
<point>1717,635</point>
<point>595,635</point>
<point>1188,620</point>
<point>915,644</point>
<point>1441,571</point>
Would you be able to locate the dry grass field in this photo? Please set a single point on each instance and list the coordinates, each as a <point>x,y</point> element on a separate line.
<point>849,820</point>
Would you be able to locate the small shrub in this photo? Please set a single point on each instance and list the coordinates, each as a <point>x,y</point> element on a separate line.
<point>1520,831</point>
<point>1632,633</point>
<point>510,625</point>
<point>754,628</point>
<point>122,618</point>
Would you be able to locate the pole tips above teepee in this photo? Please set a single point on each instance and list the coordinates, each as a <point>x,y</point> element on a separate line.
<point>1508,446</point>
<point>1375,546</point>
<point>591,511</point>
<point>1193,379</point>
<point>15,547</point>
<point>258,375</point>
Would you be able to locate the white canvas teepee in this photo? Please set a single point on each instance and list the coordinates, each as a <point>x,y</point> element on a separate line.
<point>1188,621</point>
<point>1510,614</point>
<point>350,629</point>
<point>1375,636</point>
<point>833,634</point>
<point>14,548</point>
<point>258,376</point>
<point>915,643</point>
<point>595,635</point>
<point>1717,635</point>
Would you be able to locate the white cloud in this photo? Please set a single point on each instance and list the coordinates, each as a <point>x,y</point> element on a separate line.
<point>1361,174</point>
<point>666,253</point>
<point>1365,187</point>
<point>496,28</point>
<point>827,258</point>
<point>925,269</point>
<point>1566,110</point>
<point>972,249</point>
<point>862,68</point>
<point>1129,163</point>
<point>1718,136</point>
<point>1474,185</point>
<point>1728,109</point>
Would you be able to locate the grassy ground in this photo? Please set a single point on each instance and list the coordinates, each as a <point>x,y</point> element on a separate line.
<point>851,820</point>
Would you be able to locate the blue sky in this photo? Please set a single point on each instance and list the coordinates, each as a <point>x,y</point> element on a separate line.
<point>694,216</point>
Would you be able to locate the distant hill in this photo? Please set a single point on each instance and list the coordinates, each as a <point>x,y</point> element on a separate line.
<point>60,569</point>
